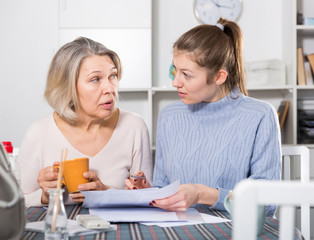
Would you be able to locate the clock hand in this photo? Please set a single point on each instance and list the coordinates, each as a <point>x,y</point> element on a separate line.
<point>222,5</point>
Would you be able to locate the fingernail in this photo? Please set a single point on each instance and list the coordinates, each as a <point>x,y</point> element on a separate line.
<point>135,180</point>
<point>80,187</point>
<point>85,174</point>
<point>150,204</point>
<point>134,188</point>
<point>153,202</point>
<point>144,181</point>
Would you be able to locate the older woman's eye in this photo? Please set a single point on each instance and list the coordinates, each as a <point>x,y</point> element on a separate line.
<point>95,79</point>
<point>113,76</point>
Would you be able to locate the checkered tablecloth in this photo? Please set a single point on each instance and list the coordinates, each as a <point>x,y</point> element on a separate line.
<point>135,231</point>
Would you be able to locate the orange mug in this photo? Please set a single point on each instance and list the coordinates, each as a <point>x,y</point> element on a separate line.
<point>73,173</point>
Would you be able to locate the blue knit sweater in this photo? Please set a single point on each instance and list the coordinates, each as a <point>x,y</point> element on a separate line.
<point>218,144</point>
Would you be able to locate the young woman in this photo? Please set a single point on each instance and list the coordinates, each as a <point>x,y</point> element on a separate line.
<point>82,87</point>
<point>217,135</point>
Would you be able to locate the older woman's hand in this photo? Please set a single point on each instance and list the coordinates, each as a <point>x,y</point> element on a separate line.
<point>48,179</point>
<point>94,184</point>
<point>137,181</point>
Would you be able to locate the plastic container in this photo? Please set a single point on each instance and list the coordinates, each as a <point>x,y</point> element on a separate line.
<point>266,73</point>
<point>15,168</point>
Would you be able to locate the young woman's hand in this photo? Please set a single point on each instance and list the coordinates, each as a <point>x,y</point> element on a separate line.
<point>48,179</point>
<point>94,184</point>
<point>138,182</point>
<point>188,195</point>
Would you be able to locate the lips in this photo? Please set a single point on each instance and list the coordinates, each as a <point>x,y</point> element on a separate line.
<point>107,105</point>
<point>182,94</point>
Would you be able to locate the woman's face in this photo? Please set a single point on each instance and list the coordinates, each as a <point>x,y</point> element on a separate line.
<point>191,81</point>
<point>97,87</point>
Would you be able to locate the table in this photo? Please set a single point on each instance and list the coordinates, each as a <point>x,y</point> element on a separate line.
<point>136,231</point>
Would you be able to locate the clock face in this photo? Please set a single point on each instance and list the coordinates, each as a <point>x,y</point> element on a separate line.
<point>209,11</point>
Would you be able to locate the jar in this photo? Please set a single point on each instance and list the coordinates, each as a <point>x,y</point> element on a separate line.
<point>56,223</point>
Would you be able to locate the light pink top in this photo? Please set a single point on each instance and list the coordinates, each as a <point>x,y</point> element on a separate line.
<point>128,150</point>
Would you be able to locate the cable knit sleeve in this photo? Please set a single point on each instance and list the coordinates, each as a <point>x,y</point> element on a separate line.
<point>160,175</point>
<point>266,158</point>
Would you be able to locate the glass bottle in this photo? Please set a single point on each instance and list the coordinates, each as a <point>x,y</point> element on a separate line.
<point>56,223</point>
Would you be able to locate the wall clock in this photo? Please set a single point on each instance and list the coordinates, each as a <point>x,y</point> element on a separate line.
<point>209,11</point>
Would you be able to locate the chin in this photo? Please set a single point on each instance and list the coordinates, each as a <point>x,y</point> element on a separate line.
<point>188,102</point>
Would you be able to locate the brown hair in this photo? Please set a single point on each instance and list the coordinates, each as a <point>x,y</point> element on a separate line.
<point>216,47</point>
<point>64,70</point>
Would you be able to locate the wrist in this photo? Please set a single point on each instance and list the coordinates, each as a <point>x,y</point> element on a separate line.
<point>207,195</point>
<point>44,198</point>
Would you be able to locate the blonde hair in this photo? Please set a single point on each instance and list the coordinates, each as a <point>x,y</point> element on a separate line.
<point>216,47</point>
<point>63,73</point>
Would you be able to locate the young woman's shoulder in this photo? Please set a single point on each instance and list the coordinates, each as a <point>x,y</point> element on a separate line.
<point>257,106</point>
<point>172,109</point>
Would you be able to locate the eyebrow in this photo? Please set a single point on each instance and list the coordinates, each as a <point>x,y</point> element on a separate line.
<point>112,69</point>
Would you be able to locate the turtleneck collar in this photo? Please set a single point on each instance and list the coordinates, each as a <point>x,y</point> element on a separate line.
<point>225,104</point>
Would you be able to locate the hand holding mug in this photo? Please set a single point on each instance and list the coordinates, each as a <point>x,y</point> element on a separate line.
<point>48,179</point>
<point>261,212</point>
<point>94,184</point>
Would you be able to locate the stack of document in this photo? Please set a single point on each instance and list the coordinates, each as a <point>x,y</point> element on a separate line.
<point>133,206</point>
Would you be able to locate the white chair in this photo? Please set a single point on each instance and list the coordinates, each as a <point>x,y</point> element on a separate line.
<point>248,194</point>
<point>303,153</point>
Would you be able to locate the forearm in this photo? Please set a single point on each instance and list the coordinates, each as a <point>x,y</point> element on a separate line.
<point>33,199</point>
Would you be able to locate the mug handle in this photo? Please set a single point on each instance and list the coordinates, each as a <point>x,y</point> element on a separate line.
<point>62,180</point>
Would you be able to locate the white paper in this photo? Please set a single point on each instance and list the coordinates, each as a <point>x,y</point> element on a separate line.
<point>127,198</point>
<point>206,217</point>
<point>74,228</point>
<point>135,214</point>
<point>143,214</point>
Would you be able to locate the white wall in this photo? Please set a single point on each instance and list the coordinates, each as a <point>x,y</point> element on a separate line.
<point>28,27</point>
<point>261,23</point>
<point>26,32</point>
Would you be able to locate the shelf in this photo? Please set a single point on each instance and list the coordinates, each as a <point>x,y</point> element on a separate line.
<point>308,87</point>
<point>133,89</point>
<point>164,89</point>
<point>272,88</point>
<point>305,27</point>
<point>259,88</point>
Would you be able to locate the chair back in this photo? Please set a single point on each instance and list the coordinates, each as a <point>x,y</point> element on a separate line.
<point>303,153</point>
<point>248,194</point>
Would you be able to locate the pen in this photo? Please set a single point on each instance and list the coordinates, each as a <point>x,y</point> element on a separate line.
<point>134,176</point>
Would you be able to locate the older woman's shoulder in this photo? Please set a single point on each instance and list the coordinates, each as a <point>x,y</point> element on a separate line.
<point>40,129</point>
<point>131,119</point>
<point>42,125</point>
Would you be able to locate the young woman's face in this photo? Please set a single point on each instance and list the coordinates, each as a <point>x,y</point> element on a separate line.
<point>191,81</point>
<point>97,87</point>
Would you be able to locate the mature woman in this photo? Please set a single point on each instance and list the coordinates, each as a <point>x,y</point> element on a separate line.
<point>82,86</point>
<point>216,136</point>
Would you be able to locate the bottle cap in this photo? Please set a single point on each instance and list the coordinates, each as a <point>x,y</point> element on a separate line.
<point>8,147</point>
